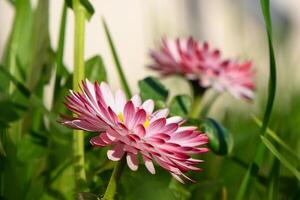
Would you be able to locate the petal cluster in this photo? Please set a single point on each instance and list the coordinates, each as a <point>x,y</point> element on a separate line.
<point>196,61</point>
<point>132,128</point>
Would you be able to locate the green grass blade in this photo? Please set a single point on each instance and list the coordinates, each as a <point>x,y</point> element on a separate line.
<point>122,77</point>
<point>61,41</point>
<point>254,167</point>
<point>275,137</point>
<point>280,157</point>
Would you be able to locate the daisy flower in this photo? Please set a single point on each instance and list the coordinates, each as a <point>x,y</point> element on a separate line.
<point>132,128</point>
<point>199,62</point>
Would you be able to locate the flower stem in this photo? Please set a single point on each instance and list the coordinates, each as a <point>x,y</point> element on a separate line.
<point>112,184</point>
<point>78,137</point>
<point>196,105</point>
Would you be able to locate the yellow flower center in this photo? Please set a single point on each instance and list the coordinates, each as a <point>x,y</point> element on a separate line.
<point>120,117</point>
<point>146,123</point>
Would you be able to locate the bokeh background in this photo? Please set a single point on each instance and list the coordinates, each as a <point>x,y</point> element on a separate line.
<point>235,27</point>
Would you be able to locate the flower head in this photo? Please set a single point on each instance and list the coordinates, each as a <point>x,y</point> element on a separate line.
<point>195,61</point>
<point>131,127</point>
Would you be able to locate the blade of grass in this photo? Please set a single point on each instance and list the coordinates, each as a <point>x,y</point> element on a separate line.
<point>121,74</point>
<point>61,41</point>
<point>275,137</point>
<point>274,180</point>
<point>254,167</point>
<point>280,157</point>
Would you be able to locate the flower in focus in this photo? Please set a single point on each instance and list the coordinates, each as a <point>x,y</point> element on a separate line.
<point>131,127</point>
<point>198,62</point>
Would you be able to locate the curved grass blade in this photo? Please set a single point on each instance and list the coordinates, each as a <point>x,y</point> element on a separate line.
<point>122,77</point>
<point>254,167</point>
<point>280,157</point>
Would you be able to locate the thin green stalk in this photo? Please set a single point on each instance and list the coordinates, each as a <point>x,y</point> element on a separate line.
<point>61,41</point>
<point>122,77</point>
<point>115,176</point>
<point>196,105</point>
<point>254,167</point>
<point>78,137</point>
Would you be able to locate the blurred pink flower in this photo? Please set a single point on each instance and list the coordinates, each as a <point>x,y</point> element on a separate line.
<point>131,127</point>
<point>197,62</point>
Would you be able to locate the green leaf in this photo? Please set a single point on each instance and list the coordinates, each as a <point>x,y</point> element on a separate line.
<point>35,101</point>
<point>60,68</point>
<point>152,88</point>
<point>280,157</point>
<point>17,84</point>
<point>118,65</point>
<point>10,112</point>
<point>42,58</point>
<point>220,140</point>
<point>180,105</point>
<point>95,70</point>
<point>86,4</point>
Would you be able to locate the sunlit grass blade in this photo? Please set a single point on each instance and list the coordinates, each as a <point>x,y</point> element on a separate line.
<point>280,157</point>
<point>122,77</point>
<point>254,167</point>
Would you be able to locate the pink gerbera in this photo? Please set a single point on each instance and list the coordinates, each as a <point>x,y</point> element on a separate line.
<point>131,127</point>
<point>197,62</point>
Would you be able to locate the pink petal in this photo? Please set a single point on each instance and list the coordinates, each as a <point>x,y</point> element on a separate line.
<point>149,165</point>
<point>120,100</point>
<point>140,130</point>
<point>132,161</point>
<point>136,100</point>
<point>128,112</point>
<point>155,126</point>
<point>148,106</point>
<point>117,153</point>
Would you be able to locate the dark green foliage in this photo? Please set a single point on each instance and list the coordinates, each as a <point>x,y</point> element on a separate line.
<point>95,69</point>
<point>220,139</point>
<point>180,105</point>
<point>152,88</point>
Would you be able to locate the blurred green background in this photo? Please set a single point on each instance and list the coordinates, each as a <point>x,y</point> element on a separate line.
<point>36,152</point>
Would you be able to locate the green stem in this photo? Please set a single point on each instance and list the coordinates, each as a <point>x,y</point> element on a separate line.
<point>78,137</point>
<point>196,105</point>
<point>115,176</point>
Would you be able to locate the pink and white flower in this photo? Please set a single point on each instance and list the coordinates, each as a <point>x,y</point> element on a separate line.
<point>198,62</point>
<point>131,127</point>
